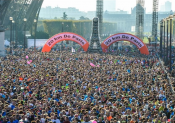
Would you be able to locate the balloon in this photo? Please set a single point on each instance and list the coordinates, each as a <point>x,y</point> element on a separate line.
<point>27,57</point>
<point>94,121</point>
<point>28,62</point>
<point>92,64</point>
<point>3,96</point>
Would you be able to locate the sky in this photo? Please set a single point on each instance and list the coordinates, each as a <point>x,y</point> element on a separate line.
<point>90,5</point>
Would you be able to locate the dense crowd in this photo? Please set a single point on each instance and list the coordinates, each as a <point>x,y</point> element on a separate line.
<point>164,58</point>
<point>62,87</point>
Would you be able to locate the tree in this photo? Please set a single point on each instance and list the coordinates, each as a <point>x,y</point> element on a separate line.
<point>83,18</point>
<point>71,18</point>
<point>64,16</point>
<point>41,35</point>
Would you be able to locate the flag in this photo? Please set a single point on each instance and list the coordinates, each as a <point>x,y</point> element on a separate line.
<point>73,50</point>
<point>129,71</point>
<point>92,64</point>
<point>67,87</point>
<point>115,61</point>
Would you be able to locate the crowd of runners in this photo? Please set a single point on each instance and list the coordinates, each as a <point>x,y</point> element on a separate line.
<point>62,87</point>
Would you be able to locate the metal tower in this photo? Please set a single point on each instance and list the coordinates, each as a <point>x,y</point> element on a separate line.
<point>3,10</point>
<point>4,4</point>
<point>155,20</point>
<point>95,39</point>
<point>140,18</point>
<point>99,14</point>
<point>20,9</point>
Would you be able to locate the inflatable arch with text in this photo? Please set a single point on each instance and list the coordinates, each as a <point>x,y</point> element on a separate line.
<point>65,36</point>
<point>125,37</point>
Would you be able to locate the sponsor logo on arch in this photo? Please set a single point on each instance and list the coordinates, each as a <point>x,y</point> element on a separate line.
<point>125,37</point>
<point>65,36</point>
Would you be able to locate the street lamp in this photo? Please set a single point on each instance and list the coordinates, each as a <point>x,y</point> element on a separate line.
<point>67,28</point>
<point>161,29</point>
<point>25,20</point>
<point>167,19</point>
<point>164,38</point>
<point>62,31</point>
<point>155,37</point>
<point>171,18</point>
<point>67,31</point>
<point>11,19</point>
<point>13,35</point>
<point>35,22</point>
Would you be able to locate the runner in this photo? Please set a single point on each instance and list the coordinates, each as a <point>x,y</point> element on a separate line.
<point>89,88</point>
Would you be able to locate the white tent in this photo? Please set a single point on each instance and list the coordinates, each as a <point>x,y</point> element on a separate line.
<point>39,42</point>
<point>7,43</point>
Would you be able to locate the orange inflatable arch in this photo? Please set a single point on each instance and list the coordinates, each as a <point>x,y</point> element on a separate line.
<point>65,36</point>
<point>125,37</point>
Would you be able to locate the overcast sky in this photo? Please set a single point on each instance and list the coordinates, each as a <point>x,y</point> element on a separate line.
<point>90,5</point>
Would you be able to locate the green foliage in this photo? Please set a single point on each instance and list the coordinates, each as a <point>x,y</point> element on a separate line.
<point>64,16</point>
<point>83,18</point>
<point>41,35</point>
<point>81,27</point>
<point>40,26</point>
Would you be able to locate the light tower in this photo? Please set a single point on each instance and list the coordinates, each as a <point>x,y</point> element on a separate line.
<point>99,14</point>
<point>155,20</point>
<point>140,18</point>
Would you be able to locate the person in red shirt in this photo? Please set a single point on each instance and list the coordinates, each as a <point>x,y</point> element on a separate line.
<point>66,120</point>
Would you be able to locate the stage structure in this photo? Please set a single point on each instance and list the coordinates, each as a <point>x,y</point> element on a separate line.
<point>95,37</point>
<point>155,20</point>
<point>140,18</point>
<point>99,14</point>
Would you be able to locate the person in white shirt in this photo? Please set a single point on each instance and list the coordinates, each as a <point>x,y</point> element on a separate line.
<point>55,120</point>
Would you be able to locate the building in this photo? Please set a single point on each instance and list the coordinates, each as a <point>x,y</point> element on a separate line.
<point>109,5</point>
<point>168,6</point>
<point>90,14</point>
<point>117,12</point>
<point>127,22</point>
<point>162,8</point>
<point>57,12</point>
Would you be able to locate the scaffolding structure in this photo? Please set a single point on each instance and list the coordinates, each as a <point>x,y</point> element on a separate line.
<point>155,19</point>
<point>99,14</point>
<point>140,18</point>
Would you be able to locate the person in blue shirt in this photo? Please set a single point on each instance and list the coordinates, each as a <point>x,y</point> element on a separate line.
<point>11,120</point>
